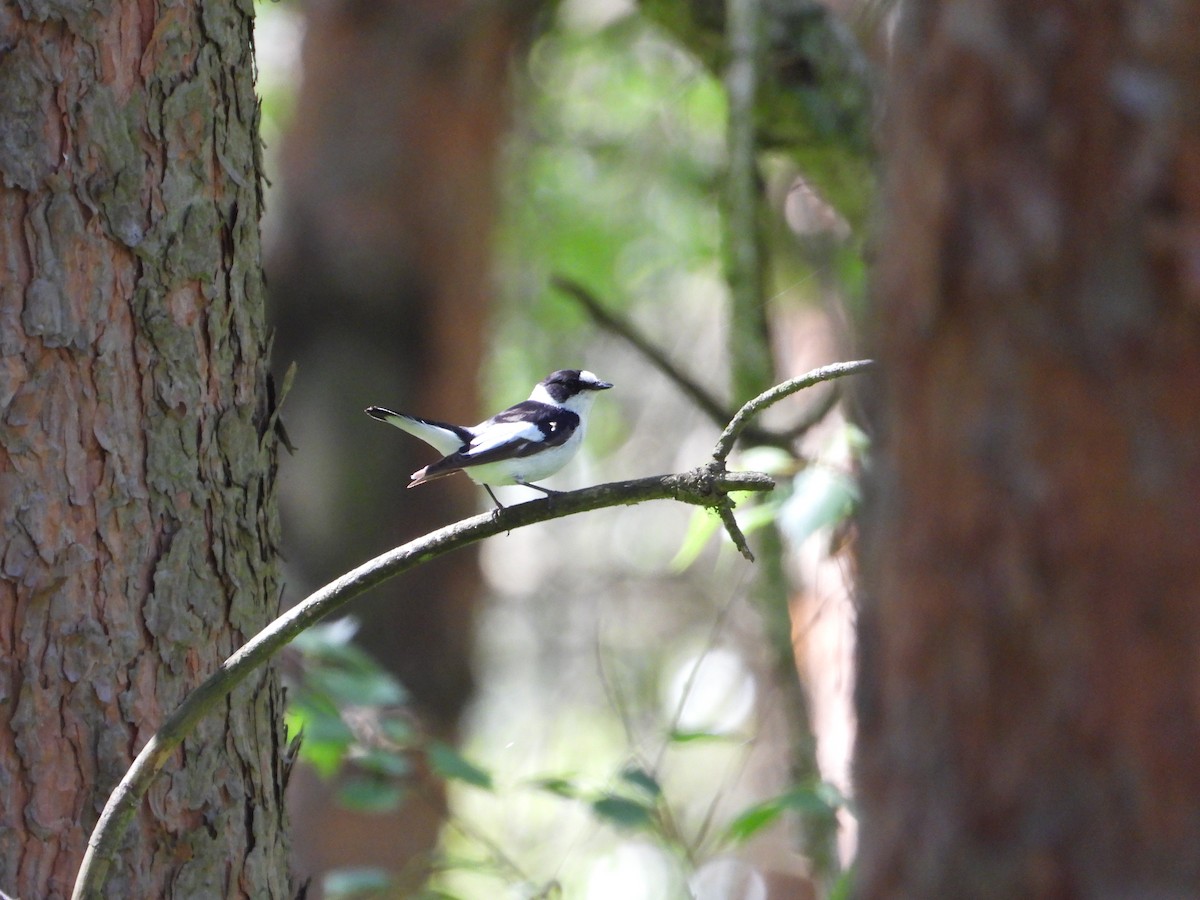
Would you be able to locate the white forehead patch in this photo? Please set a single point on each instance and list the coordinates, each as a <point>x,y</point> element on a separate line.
<point>588,377</point>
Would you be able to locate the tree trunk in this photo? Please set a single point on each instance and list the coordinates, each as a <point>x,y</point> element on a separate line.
<point>137,457</point>
<point>1029,693</point>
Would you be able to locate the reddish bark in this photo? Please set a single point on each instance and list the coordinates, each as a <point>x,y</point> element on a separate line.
<point>137,506</point>
<point>1029,693</point>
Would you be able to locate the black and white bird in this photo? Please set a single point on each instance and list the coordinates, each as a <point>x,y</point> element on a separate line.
<point>526,443</point>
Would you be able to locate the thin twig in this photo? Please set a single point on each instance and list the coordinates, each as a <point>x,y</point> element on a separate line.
<point>609,320</point>
<point>705,486</point>
<point>737,425</point>
<point>729,520</point>
<point>704,400</point>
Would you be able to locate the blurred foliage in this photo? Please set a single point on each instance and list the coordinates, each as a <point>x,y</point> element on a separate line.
<point>278,31</point>
<point>613,177</point>
<point>614,174</point>
<point>612,180</point>
<point>349,715</point>
<point>814,101</point>
<point>811,496</point>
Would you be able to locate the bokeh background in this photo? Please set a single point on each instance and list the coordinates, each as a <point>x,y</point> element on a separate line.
<point>617,704</point>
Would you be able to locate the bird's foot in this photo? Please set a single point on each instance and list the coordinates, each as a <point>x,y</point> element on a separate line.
<point>499,505</point>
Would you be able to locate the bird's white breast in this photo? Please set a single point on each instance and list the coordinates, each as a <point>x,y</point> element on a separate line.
<point>540,465</point>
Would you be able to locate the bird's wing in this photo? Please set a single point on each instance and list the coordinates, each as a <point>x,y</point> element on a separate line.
<point>442,436</point>
<point>519,431</point>
<point>503,440</point>
<point>522,429</point>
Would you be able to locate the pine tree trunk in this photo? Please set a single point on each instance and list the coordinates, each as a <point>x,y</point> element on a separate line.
<point>137,458</point>
<point>1029,693</point>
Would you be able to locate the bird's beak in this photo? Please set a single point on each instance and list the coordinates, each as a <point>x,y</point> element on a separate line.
<point>601,385</point>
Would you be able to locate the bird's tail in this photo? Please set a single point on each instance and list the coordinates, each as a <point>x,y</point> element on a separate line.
<point>419,477</point>
<point>442,436</point>
<point>439,469</point>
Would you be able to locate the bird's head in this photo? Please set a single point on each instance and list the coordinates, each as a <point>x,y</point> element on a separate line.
<point>572,388</point>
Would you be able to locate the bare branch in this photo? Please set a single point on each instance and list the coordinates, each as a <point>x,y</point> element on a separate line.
<point>741,419</point>
<point>705,401</point>
<point>725,511</point>
<point>607,319</point>
<point>708,486</point>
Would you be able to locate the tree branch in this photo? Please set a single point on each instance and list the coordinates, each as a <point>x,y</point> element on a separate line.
<point>737,425</point>
<point>607,319</point>
<point>704,486</point>
<point>708,485</point>
<point>704,400</point>
<point>749,330</point>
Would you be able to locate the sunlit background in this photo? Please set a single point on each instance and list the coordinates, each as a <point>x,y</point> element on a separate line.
<point>633,727</point>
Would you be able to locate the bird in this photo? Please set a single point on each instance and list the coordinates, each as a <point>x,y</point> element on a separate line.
<point>525,443</point>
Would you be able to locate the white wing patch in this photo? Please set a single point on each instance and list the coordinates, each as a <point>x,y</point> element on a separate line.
<point>502,434</point>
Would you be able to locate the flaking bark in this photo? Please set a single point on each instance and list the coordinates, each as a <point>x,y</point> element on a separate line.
<point>136,462</point>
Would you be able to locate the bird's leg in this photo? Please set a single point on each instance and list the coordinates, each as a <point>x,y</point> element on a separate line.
<point>537,487</point>
<point>499,505</point>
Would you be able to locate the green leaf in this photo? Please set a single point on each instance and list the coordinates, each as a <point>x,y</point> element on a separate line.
<point>560,787</point>
<point>640,778</point>
<point>623,812</point>
<point>821,799</point>
<point>821,496</point>
<point>361,688</point>
<point>384,763</point>
<point>325,758</point>
<point>370,795</point>
<point>452,766</point>
<point>752,821</point>
<point>841,889</point>
<point>322,728</point>
<point>285,387</point>
<point>691,737</point>
<point>293,723</point>
<point>398,730</point>
<point>326,739</point>
<point>701,528</point>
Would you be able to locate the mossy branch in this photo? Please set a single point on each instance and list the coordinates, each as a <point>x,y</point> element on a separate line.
<point>708,486</point>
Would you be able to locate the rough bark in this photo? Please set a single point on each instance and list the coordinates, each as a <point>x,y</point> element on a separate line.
<point>1029,693</point>
<point>136,454</point>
